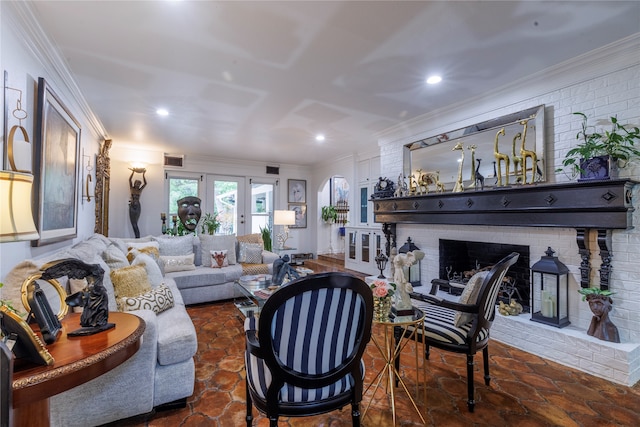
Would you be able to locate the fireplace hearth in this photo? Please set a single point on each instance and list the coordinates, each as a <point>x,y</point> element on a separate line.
<point>457,257</point>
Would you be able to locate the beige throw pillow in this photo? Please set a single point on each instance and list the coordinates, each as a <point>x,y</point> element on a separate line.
<point>470,296</point>
<point>177,263</point>
<point>130,281</point>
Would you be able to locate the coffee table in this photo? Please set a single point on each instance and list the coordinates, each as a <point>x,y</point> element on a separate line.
<point>255,292</point>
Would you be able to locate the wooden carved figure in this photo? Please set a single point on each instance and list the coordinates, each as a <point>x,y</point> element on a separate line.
<point>524,153</point>
<point>459,186</point>
<point>501,157</point>
<point>472,148</point>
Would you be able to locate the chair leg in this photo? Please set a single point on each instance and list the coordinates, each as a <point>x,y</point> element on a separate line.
<point>249,416</point>
<point>355,415</point>
<point>470,402</point>
<point>273,421</point>
<point>426,351</point>
<point>485,357</point>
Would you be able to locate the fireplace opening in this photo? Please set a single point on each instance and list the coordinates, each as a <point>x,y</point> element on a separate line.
<point>458,257</point>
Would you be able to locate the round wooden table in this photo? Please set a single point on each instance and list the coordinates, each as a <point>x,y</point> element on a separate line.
<point>76,361</point>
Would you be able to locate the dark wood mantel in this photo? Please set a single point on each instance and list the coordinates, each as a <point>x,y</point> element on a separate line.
<point>597,204</point>
<point>601,205</point>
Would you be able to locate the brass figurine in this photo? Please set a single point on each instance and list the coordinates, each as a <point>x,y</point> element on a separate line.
<point>527,153</point>
<point>439,185</point>
<point>459,186</point>
<point>517,160</point>
<point>501,157</point>
<point>472,148</point>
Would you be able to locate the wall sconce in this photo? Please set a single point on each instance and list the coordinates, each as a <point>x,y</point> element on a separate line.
<point>550,291</point>
<point>87,193</point>
<point>16,148</point>
<point>284,218</point>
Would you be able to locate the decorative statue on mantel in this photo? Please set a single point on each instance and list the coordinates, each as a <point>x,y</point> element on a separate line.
<point>403,286</point>
<point>601,326</point>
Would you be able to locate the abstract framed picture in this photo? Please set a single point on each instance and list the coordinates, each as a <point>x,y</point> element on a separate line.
<point>339,190</point>
<point>56,152</point>
<point>301,216</point>
<point>297,190</point>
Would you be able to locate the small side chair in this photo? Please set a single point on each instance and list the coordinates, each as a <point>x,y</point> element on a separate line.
<point>463,326</point>
<point>305,358</point>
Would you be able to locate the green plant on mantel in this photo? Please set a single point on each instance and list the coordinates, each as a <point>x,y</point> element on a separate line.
<point>329,214</point>
<point>618,142</point>
<point>594,291</point>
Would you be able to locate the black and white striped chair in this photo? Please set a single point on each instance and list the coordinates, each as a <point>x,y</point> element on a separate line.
<point>464,328</point>
<point>306,358</point>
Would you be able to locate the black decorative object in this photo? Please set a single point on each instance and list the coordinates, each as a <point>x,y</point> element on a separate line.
<point>550,291</point>
<point>383,189</point>
<point>281,270</point>
<point>381,262</point>
<point>412,274</point>
<point>95,314</point>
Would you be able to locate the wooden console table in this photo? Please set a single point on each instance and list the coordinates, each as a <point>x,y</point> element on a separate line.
<point>77,360</point>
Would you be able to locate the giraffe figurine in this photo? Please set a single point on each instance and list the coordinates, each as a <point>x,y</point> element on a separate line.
<point>524,153</point>
<point>439,185</point>
<point>501,157</point>
<point>472,148</point>
<point>479,179</point>
<point>517,160</point>
<point>459,186</point>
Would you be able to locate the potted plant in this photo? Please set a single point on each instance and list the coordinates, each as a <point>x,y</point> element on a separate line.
<point>599,154</point>
<point>600,304</point>
<point>329,214</point>
<point>266,238</point>
<point>210,223</point>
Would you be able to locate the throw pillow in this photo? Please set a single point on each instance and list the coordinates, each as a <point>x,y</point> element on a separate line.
<point>250,253</point>
<point>114,257</point>
<point>130,281</point>
<point>150,265</point>
<point>219,259</point>
<point>158,299</point>
<point>152,251</point>
<point>77,285</point>
<point>210,243</point>
<point>470,296</point>
<point>175,245</point>
<point>177,263</point>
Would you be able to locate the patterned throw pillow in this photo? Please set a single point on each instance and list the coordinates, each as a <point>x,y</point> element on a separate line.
<point>209,243</point>
<point>470,296</point>
<point>158,299</point>
<point>130,281</point>
<point>250,253</point>
<point>177,263</point>
<point>219,259</point>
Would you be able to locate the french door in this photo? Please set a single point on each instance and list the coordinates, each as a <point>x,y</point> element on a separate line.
<point>226,196</point>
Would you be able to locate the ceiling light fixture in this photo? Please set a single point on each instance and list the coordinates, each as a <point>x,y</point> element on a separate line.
<point>320,137</point>
<point>162,112</point>
<point>432,80</point>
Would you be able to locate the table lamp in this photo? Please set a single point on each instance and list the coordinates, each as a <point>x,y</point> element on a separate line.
<point>17,219</point>
<point>284,218</point>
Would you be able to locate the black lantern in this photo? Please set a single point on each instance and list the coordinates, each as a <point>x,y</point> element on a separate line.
<point>550,291</point>
<point>381,261</point>
<point>412,274</point>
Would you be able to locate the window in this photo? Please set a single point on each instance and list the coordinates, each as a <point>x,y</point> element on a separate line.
<point>180,187</point>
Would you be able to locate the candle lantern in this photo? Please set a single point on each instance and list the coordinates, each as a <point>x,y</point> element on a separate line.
<point>412,273</point>
<point>550,291</point>
<point>381,261</point>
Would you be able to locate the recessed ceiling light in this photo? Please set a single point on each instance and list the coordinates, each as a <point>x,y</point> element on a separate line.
<point>320,137</point>
<point>162,112</point>
<point>432,80</point>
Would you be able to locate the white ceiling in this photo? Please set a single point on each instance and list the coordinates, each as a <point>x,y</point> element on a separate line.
<point>257,80</point>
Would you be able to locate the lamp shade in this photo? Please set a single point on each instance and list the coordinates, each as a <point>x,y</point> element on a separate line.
<point>16,221</point>
<point>284,217</point>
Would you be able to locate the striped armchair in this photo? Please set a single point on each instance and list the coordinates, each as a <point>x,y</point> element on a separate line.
<point>307,357</point>
<point>464,328</point>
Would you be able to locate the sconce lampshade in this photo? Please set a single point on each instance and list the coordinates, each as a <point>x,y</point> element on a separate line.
<point>284,217</point>
<point>16,222</point>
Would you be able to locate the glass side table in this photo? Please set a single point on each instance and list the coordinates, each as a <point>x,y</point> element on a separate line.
<point>385,341</point>
<point>255,291</point>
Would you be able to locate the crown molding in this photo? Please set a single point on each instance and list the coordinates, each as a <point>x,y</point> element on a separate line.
<point>596,63</point>
<point>24,23</point>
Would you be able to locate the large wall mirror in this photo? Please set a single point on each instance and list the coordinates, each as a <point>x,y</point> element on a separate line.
<point>436,155</point>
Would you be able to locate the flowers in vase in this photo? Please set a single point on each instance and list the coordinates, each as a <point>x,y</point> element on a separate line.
<point>382,289</point>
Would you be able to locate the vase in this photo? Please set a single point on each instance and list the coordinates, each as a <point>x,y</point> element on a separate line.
<point>381,308</point>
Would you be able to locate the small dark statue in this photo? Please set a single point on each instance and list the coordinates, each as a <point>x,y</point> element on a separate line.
<point>93,298</point>
<point>601,326</point>
<point>282,270</point>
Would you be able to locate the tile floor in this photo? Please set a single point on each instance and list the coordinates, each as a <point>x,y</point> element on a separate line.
<point>525,390</point>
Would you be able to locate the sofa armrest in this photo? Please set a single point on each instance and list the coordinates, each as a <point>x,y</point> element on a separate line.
<point>269,257</point>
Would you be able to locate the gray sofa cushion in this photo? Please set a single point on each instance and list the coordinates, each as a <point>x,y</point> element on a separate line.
<point>206,276</point>
<point>177,340</point>
<point>219,242</point>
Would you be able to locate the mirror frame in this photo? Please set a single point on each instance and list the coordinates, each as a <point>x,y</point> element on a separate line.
<point>24,290</point>
<point>450,137</point>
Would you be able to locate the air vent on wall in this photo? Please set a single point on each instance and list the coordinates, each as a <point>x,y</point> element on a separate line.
<point>174,160</point>
<point>273,170</point>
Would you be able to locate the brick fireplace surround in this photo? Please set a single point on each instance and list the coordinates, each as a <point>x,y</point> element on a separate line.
<point>570,346</point>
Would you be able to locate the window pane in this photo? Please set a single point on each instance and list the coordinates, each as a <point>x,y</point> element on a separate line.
<point>225,197</point>
<point>261,206</point>
<point>179,188</point>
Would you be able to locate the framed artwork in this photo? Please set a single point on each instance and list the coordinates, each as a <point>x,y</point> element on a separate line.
<point>301,216</point>
<point>56,152</point>
<point>297,191</point>
<point>339,190</point>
